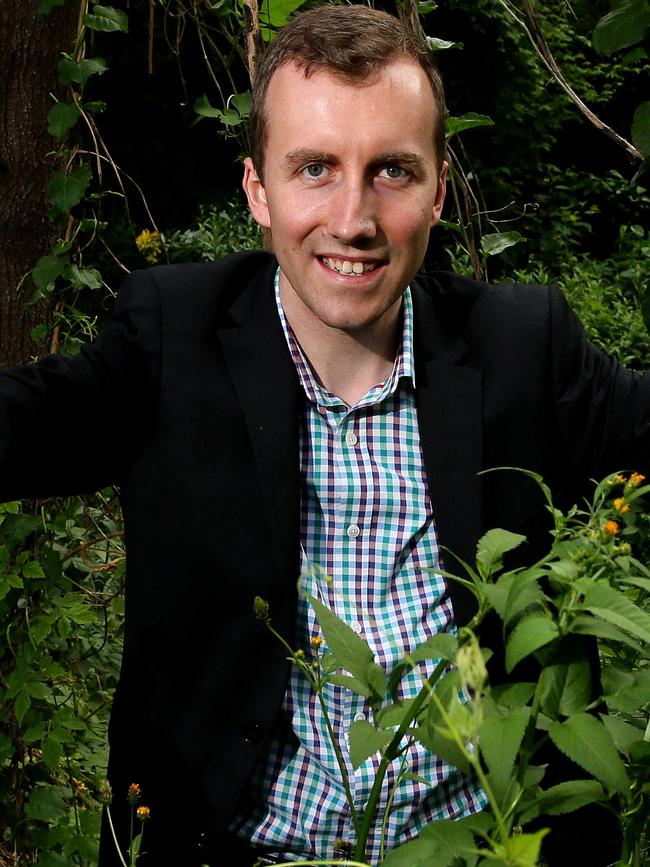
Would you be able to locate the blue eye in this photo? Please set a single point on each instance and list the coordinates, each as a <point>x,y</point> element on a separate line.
<point>314,170</point>
<point>395,173</point>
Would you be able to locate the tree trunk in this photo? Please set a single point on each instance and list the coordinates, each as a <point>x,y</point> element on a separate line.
<point>30,49</point>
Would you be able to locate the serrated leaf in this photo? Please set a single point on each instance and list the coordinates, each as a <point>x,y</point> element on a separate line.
<point>22,704</point>
<point>46,803</point>
<point>351,683</point>
<point>61,118</point>
<point>393,714</point>
<point>565,682</point>
<point>52,752</point>
<point>569,796</point>
<point>500,738</point>
<point>623,26</point>
<point>588,625</point>
<point>440,646</point>
<point>523,849</point>
<point>444,747</point>
<point>451,839</point>
<point>641,128</point>
<point>497,242</point>
<point>454,125</point>
<point>586,741</point>
<point>613,607</point>
<point>493,545</point>
<point>513,695</point>
<point>275,15</point>
<point>80,277</point>
<point>622,733</point>
<point>33,569</point>
<point>365,741</point>
<point>352,652</point>
<point>67,190</point>
<point>529,635</point>
<point>107,19</point>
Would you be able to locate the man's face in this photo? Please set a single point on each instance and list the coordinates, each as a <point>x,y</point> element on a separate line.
<point>350,191</point>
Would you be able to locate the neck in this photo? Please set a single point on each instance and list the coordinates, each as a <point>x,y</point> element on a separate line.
<point>347,363</point>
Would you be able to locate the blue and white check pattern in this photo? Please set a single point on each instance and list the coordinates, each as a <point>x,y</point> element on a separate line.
<point>368,545</point>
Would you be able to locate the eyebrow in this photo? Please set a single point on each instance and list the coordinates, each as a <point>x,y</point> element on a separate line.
<point>302,156</point>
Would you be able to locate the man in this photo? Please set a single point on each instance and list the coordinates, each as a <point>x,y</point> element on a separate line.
<point>326,416</point>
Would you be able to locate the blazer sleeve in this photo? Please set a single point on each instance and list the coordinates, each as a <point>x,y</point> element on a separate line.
<point>73,425</point>
<point>603,409</point>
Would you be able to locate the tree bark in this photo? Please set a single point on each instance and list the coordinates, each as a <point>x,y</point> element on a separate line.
<point>30,48</point>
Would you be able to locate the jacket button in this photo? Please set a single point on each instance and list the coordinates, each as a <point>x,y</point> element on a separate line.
<point>253,733</point>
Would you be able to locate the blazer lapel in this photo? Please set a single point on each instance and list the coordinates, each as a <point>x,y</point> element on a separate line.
<point>448,399</point>
<point>266,382</point>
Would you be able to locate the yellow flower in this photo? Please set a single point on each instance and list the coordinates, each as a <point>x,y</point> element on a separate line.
<point>134,792</point>
<point>143,813</point>
<point>316,642</point>
<point>610,528</point>
<point>635,480</point>
<point>621,506</point>
<point>149,243</point>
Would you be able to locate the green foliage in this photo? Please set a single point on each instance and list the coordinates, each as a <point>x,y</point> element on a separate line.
<point>218,231</point>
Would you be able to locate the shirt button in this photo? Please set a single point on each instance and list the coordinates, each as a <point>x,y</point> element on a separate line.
<point>355,626</point>
<point>353,531</point>
<point>359,717</point>
<point>351,439</point>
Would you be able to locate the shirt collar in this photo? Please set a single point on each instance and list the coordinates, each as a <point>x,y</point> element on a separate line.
<point>403,368</point>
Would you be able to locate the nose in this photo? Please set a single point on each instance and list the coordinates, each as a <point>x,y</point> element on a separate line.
<point>352,215</point>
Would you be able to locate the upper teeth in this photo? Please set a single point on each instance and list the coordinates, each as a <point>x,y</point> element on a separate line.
<point>344,266</point>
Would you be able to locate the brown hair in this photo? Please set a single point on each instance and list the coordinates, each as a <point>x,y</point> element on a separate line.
<point>349,41</point>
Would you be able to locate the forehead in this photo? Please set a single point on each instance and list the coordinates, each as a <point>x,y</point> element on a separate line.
<point>393,108</point>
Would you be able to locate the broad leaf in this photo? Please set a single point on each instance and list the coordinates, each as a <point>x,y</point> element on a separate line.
<point>585,624</point>
<point>513,695</point>
<point>523,849</point>
<point>274,14</point>
<point>614,607</point>
<point>52,752</point>
<point>444,747</point>
<point>641,128</point>
<point>493,545</point>
<point>393,714</point>
<point>586,741</point>
<point>107,19</point>
<point>440,646</point>
<point>500,738</point>
<point>67,190</point>
<point>46,803</point>
<point>454,125</point>
<point>623,26</point>
<point>529,635</point>
<point>565,683</point>
<point>350,683</point>
<point>565,798</point>
<point>46,270</point>
<point>365,741</point>
<point>70,70</point>
<point>497,242</point>
<point>351,651</point>
<point>61,118</point>
<point>622,733</point>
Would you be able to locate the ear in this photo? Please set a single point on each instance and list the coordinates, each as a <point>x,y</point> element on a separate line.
<point>255,194</point>
<point>440,195</point>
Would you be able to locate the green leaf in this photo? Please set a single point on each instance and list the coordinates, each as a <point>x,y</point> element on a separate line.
<point>203,108</point>
<point>61,118</point>
<point>529,635</point>
<point>567,797</point>
<point>80,277</point>
<point>46,270</point>
<point>622,733</point>
<point>22,704</point>
<point>441,44</point>
<point>67,190</point>
<point>393,714</point>
<point>586,741</point>
<point>492,546</point>
<point>274,14</point>
<point>440,646</point>
<point>365,741</point>
<point>451,839</point>
<point>523,849</point>
<point>445,747</point>
<point>496,243</point>
<point>352,652</point>
<point>46,803</point>
<point>641,128</point>
<point>33,569</point>
<point>52,752</point>
<point>623,26</point>
<point>565,682</point>
<point>615,608</point>
<point>454,125</point>
<point>69,71</point>
<point>351,683</point>
<point>585,624</point>
<point>107,19</point>
<point>513,695</point>
<point>500,738</point>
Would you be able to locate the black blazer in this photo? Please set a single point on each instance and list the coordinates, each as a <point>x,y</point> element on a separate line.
<point>189,402</point>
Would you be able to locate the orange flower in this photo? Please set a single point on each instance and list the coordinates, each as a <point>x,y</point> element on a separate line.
<point>134,792</point>
<point>316,642</point>
<point>143,813</point>
<point>610,528</point>
<point>635,480</point>
<point>621,506</point>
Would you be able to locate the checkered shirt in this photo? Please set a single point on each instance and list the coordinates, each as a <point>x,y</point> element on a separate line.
<point>368,548</point>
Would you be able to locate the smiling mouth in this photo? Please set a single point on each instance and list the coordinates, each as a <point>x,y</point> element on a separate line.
<point>347,267</point>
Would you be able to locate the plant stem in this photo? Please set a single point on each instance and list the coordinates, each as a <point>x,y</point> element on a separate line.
<point>114,835</point>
